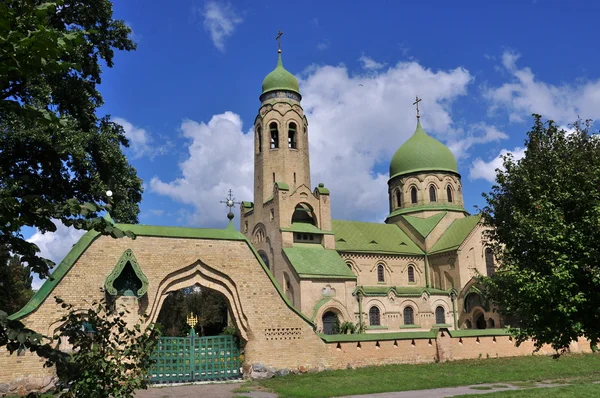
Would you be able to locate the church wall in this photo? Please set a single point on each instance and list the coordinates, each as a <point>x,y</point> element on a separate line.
<point>395,267</point>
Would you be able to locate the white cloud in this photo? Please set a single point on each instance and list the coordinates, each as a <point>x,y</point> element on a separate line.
<point>323,45</point>
<point>526,95</point>
<point>220,158</point>
<point>54,245</point>
<point>369,63</point>
<point>479,134</point>
<point>220,20</point>
<point>356,123</point>
<point>487,170</point>
<point>141,143</point>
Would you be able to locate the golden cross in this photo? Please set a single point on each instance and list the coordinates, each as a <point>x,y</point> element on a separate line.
<point>417,104</point>
<point>192,320</point>
<point>278,38</point>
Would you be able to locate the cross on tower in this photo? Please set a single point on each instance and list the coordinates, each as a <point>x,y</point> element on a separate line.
<point>230,202</point>
<point>278,38</point>
<point>417,104</point>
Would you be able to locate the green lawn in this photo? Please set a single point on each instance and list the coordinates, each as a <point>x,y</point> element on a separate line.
<point>435,375</point>
<point>572,391</point>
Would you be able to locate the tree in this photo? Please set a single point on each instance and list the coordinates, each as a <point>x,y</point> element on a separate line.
<point>108,359</point>
<point>15,283</point>
<point>544,214</point>
<point>58,157</point>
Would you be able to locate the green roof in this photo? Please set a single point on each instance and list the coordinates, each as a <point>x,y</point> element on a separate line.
<point>424,226</point>
<point>280,79</point>
<point>428,207</point>
<point>305,228</point>
<point>356,236</point>
<point>322,190</point>
<point>456,234</point>
<point>422,153</point>
<point>399,291</point>
<point>313,261</point>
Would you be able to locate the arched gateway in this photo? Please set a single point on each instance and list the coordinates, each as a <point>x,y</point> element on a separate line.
<point>167,259</point>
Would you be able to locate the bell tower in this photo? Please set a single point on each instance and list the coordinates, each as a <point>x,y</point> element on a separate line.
<point>280,136</point>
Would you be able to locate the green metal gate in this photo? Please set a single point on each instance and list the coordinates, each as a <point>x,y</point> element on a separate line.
<point>192,358</point>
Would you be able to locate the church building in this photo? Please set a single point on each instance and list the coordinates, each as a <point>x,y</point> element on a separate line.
<point>414,271</point>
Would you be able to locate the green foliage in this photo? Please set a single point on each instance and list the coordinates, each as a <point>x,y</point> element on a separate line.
<point>15,283</point>
<point>544,211</point>
<point>111,361</point>
<point>58,157</point>
<point>208,305</point>
<point>347,328</point>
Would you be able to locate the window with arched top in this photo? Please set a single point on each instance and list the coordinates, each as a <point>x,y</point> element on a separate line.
<point>413,195</point>
<point>303,213</point>
<point>398,198</point>
<point>259,136</point>
<point>374,316</point>
<point>411,274</point>
<point>449,194</point>
<point>440,315</point>
<point>489,262</point>
<point>292,136</point>
<point>473,300</point>
<point>432,194</point>
<point>274,135</point>
<point>380,273</point>
<point>409,316</point>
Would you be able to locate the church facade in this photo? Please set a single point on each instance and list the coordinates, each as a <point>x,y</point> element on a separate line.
<point>414,271</point>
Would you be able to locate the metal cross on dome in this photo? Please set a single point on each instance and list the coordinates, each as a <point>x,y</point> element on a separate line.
<point>230,202</point>
<point>278,38</point>
<point>417,104</point>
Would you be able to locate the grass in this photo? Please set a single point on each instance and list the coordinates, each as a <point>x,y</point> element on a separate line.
<point>572,391</point>
<point>434,375</point>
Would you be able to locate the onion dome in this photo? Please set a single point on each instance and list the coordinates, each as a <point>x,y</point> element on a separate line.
<point>280,79</point>
<point>422,153</point>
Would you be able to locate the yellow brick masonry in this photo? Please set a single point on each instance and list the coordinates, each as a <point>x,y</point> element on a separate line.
<point>277,336</point>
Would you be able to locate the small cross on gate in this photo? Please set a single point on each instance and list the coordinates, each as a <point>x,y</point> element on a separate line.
<point>278,38</point>
<point>417,104</point>
<point>230,202</point>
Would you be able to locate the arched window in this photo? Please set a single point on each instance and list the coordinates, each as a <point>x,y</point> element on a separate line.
<point>264,258</point>
<point>449,194</point>
<point>374,316</point>
<point>409,316</point>
<point>380,273</point>
<point>259,136</point>
<point>440,315</point>
<point>274,135</point>
<point>432,194</point>
<point>473,300</point>
<point>413,195</point>
<point>491,324</point>
<point>330,323</point>
<point>303,213</point>
<point>292,136</point>
<point>411,274</point>
<point>489,262</point>
<point>398,198</point>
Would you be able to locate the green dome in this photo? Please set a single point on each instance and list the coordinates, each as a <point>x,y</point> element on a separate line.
<point>280,79</point>
<point>422,153</point>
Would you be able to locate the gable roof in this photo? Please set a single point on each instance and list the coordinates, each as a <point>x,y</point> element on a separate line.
<point>456,234</point>
<point>424,226</point>
<point>314,261</point>
<point>356,236</point>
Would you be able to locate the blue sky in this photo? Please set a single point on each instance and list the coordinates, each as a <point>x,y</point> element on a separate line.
<point>189,94</point>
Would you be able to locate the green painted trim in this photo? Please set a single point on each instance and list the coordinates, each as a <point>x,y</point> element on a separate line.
<point>282,186</point>
<point>312,276</point>
<point>59,273</point>
<point>247,205</point>
<point>317,306</point>
<point>378,327</point>
<point>183,232</point>
<point>425,170</point>
<point>479,332</point>
<point>126,257</point>
<point>399,291</point>
<point>410,327</point>
<point>349,338</point>
<point>311,229</point>
<point>322,190</point>
<point>442,325</point>
<point>416,208</point>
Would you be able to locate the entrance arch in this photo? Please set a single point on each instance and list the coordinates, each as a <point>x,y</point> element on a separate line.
<point>201,274</point>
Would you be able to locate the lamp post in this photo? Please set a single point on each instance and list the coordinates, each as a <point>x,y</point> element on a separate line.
<point>453,298</point>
